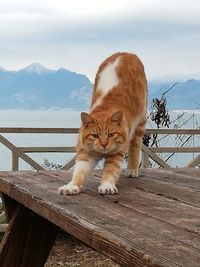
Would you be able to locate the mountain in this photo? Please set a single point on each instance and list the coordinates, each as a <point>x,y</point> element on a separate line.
<point>36,68</point>
<point>184,95</point>
<point>36,87</point>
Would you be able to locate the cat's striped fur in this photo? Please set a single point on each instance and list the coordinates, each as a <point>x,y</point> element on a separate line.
<point>116,123</point>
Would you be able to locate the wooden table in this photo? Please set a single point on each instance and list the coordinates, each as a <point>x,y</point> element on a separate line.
<point>153,221</point>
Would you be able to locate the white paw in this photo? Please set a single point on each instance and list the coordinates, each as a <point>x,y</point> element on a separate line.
<point>131,173</point>
<point>107,189</point>
<point>69,189</point>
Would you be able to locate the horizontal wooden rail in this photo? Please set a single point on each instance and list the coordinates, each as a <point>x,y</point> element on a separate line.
<point>76,130</point>
<point>20,130</point>
<point>48,149</point>
<point>175,149</point>
<point>173,131</point>
<point>148,152</point>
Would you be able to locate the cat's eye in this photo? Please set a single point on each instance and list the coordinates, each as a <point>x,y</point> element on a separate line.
<point>95,135</point>
<point>110,134</point>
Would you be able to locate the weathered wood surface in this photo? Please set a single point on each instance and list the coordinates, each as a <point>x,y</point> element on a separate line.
<point>153,221</point>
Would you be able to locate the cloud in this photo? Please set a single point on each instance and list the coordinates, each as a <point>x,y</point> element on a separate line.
<point>79,34</point>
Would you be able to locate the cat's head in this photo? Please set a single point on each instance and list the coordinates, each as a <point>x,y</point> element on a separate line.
<point>104,135</point>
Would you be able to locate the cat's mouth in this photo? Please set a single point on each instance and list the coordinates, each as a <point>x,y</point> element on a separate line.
<point>107,150</point>
<point>103,150</point>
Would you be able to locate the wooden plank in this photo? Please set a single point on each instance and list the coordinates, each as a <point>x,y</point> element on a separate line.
<point>159,205</point>
<point>172,176</point>
<point>101,221</point>
<point>153,156</point>
<point>39,130</point>
<point>87,230</point>
<point>76,130</point>
<point>27,241</point>
<point>173,131</point>
<point>47,149</point>
<point>166,210</point>
<point>169,189</point>
<point>20,154</point>
<point>190,172</point>
<point>175,149</point>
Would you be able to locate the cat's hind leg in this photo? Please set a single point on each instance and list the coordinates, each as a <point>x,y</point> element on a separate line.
<point>83,165</point>
<point>134,151</point>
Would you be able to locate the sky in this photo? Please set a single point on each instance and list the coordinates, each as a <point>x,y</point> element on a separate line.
<point>79,34</point>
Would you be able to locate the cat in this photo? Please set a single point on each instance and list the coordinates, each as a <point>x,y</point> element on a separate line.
<point>115,125</point>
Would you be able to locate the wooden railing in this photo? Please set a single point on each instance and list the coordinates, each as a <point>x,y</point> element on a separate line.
<point>152,153</point>
<point>148,152</point>
<point>20,152</point>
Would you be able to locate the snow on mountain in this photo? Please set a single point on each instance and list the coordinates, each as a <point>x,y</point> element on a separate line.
<point>35,86</point>
<point>36,68</point>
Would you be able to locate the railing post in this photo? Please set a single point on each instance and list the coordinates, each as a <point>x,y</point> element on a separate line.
<point>145,160</point>
<point>15,162</point>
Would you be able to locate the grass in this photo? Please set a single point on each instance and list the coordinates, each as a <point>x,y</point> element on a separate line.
<point>69,251</point>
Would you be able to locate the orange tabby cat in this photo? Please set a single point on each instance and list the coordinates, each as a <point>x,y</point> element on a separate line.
<point>116,123</point>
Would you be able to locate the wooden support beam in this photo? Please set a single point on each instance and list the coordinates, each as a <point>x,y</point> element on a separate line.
<point>69,164</point>
<point>15,162</point>
<point>157,159</point>
<point>145,160</point>
<point>20,154</point>
<point>28,239</point>
<point>194,162</point>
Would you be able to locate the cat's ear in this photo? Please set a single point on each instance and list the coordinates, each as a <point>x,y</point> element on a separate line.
<point>117,116</point>
<point>86,118</point>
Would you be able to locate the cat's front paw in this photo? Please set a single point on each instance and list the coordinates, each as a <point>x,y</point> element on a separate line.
<point>131,173</point>
<point>69,189</point>
<point>107,189</point>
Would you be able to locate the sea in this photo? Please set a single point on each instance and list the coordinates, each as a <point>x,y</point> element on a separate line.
<point>71,118</point>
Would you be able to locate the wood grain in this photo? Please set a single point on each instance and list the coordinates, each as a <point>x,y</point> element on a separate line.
<point>153,221</point>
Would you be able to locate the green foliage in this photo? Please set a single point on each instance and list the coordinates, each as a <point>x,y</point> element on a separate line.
<point>51,165</point>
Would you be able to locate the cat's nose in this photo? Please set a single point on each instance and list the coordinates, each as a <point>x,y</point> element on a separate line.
<point>104,145</point>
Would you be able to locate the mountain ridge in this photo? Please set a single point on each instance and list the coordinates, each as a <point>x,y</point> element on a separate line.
<point>37,87</point>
